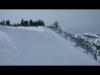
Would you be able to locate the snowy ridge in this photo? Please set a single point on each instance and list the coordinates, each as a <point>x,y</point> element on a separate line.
<point>40,46</point>
<point>89,42</point>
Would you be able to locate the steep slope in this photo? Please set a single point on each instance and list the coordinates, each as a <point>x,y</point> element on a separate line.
<point>38,46</point>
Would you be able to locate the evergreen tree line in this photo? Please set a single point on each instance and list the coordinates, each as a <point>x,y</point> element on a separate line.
<point>23,23</point>
<point>7,22</point>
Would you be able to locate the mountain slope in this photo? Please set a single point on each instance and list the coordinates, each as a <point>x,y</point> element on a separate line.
<point>38,46</point>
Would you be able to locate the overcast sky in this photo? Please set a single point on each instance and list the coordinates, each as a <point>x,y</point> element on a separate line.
<point>69,20</point>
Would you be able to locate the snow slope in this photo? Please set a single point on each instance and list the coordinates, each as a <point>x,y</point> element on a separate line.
<point>38,46</point>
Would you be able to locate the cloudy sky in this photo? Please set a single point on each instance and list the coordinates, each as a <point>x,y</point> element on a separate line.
<point>69,20</point>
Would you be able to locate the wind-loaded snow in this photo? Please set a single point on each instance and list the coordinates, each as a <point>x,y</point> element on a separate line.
<point>38,46</point>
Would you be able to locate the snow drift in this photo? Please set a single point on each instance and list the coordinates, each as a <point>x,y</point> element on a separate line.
<point>38,46</point>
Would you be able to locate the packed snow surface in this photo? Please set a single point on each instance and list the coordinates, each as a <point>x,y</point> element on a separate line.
<point>38,46</point>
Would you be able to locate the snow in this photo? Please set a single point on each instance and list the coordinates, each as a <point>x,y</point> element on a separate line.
<point>92,34</point>
<point>39,28</point>
<point>38,46</point>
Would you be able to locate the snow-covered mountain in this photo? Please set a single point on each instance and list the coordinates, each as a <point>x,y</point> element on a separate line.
<point>39,46</point>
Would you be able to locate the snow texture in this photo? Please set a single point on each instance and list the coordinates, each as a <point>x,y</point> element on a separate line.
<point>38,46</point>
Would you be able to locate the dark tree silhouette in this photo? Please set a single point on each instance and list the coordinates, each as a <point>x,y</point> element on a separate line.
<point>30,23</point>
<point>2,22</point>
<point>22,22</point>
<point>56,24</point>
<point>33,23</point>
<point>8,22</point>
<point>95,56</point>
<point>36,23</point>
<point>41,23</point>
<point>25,23</point>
